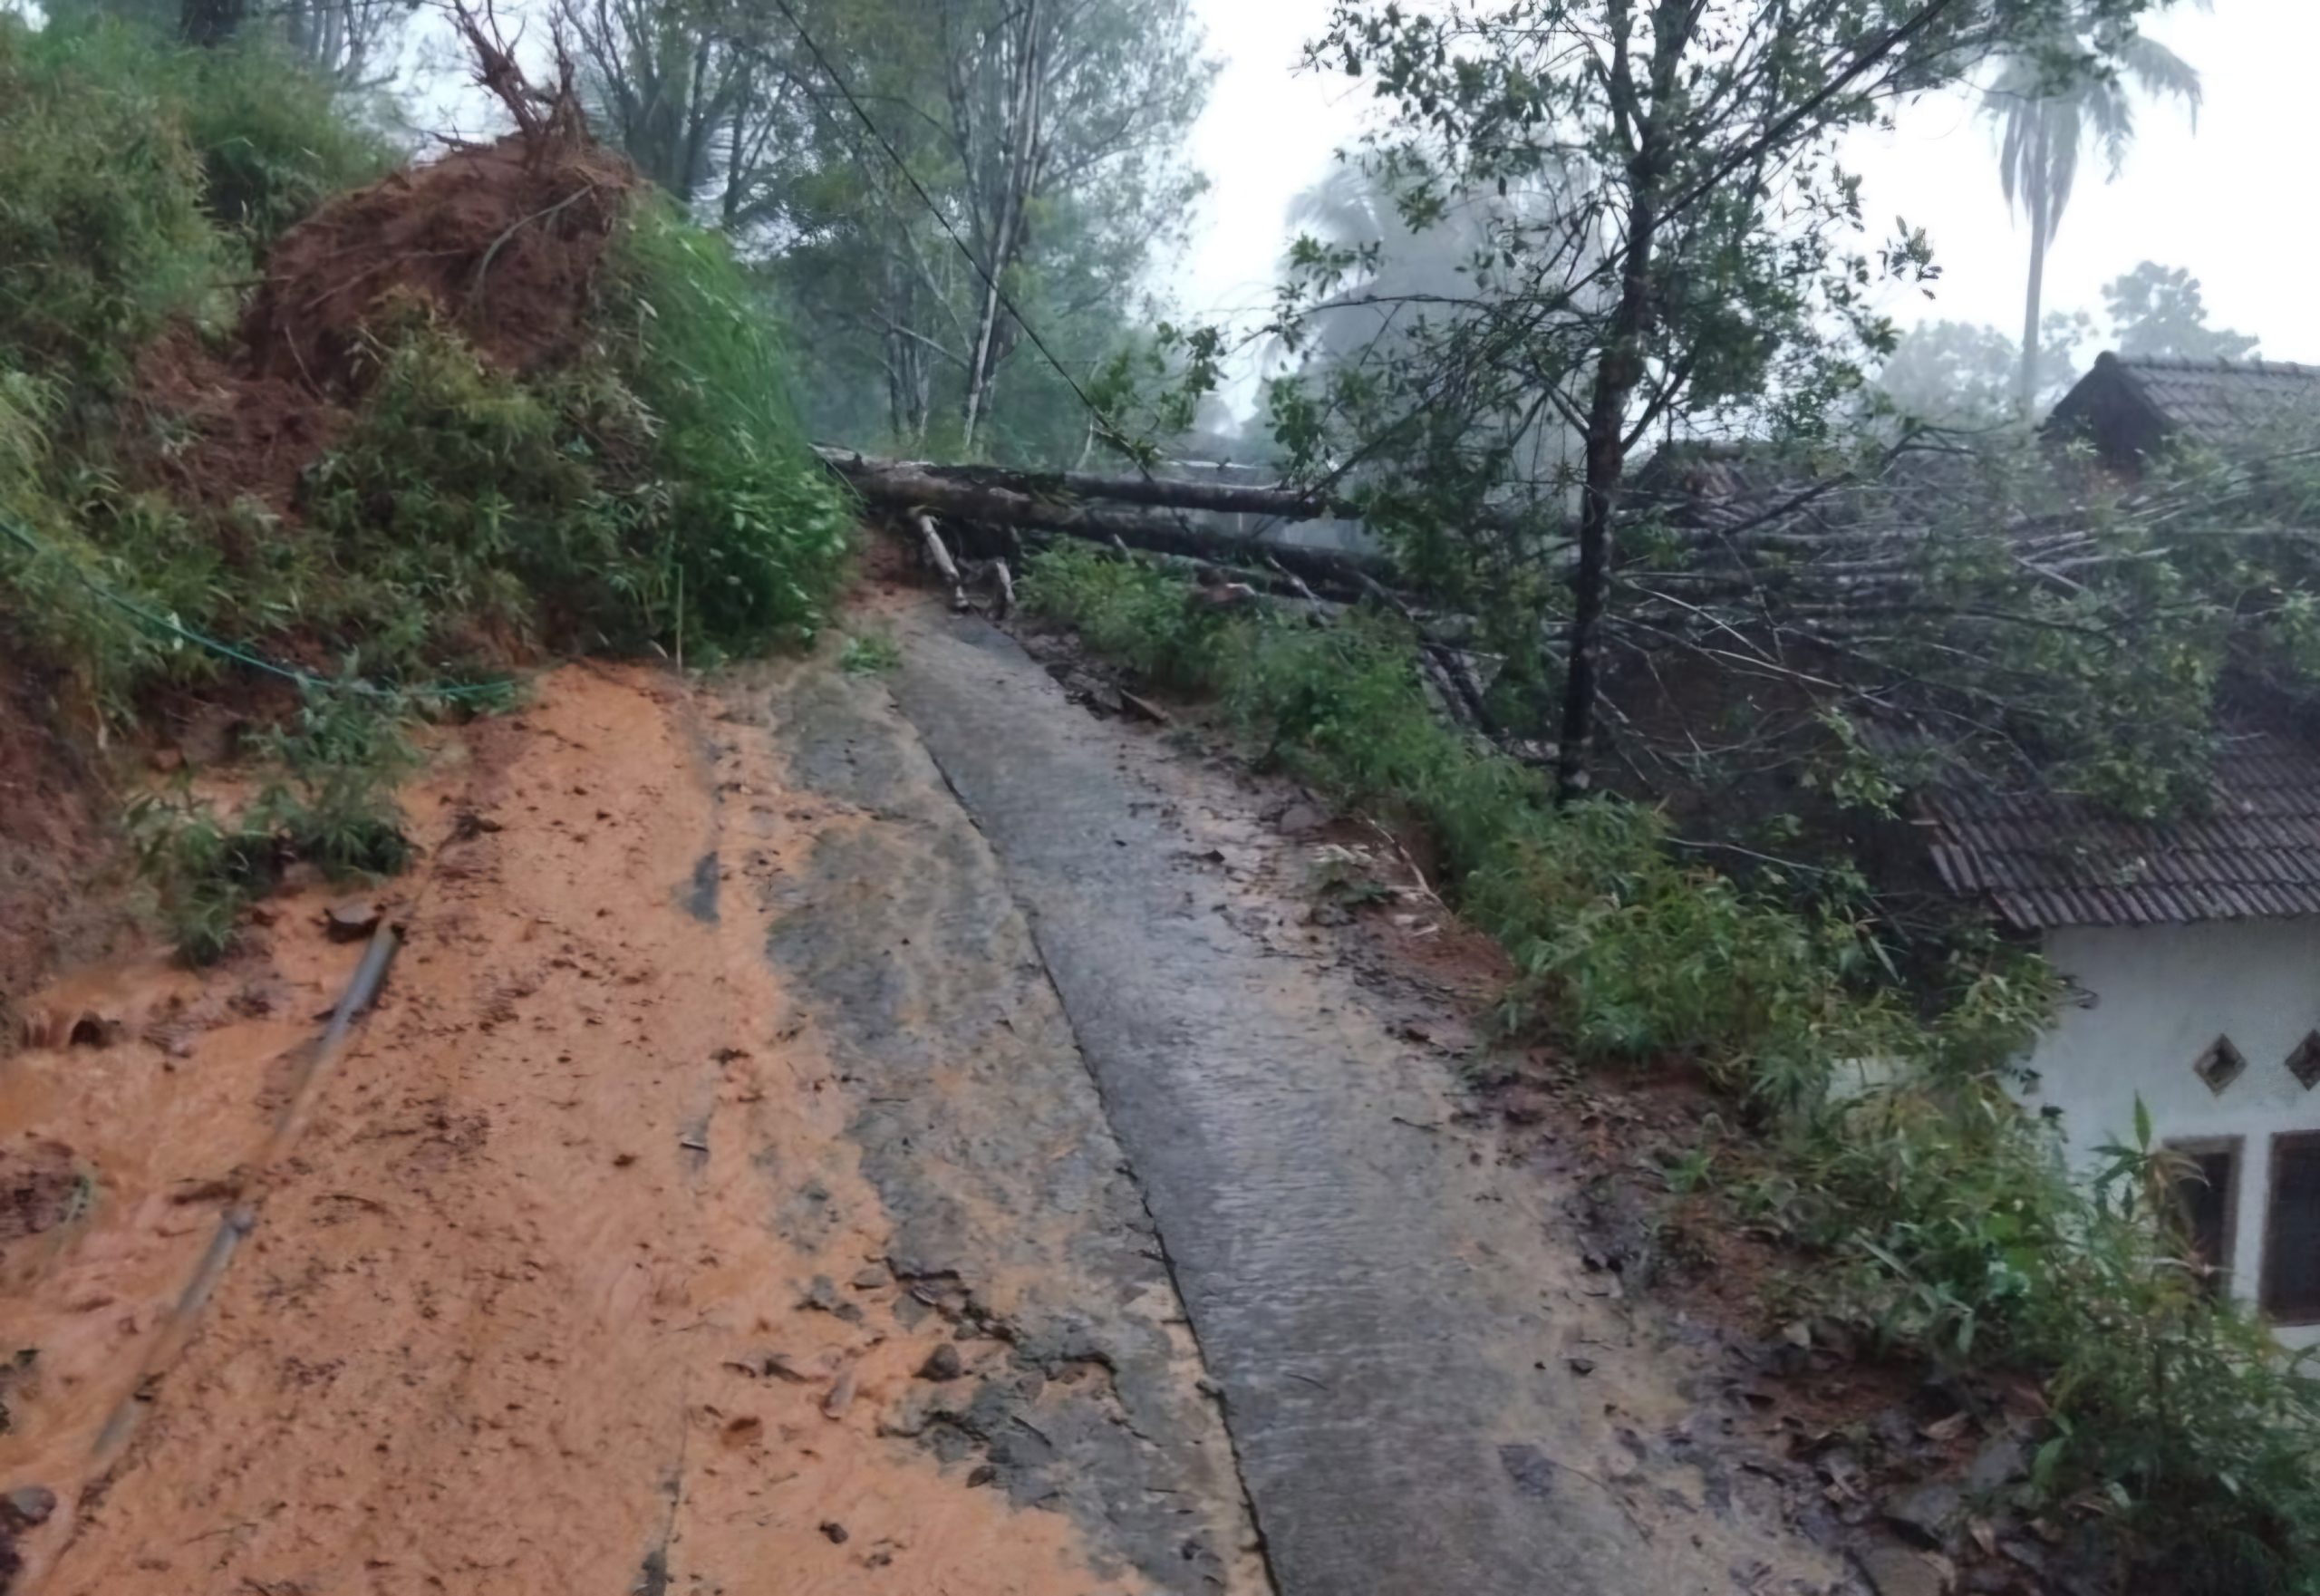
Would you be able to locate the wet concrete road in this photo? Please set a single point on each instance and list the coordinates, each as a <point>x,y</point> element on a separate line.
<point>1374,1308</point>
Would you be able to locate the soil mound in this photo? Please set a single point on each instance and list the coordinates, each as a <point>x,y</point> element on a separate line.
<point>504,239</point>
<point>211,434</point>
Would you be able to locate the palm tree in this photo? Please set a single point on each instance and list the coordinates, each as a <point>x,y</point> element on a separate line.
<point>2050,100</point>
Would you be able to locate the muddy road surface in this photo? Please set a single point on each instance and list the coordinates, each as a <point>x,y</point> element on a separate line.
<point>822,1135</point>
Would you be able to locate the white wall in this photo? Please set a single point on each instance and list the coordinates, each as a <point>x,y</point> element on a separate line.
<point>2157,996</point>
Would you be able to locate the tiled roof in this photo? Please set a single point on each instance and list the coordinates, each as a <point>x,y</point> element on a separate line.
<point>2223,404</point>
<point>2045,860</point>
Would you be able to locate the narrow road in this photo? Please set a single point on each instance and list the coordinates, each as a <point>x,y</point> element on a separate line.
<point>1386,1325</point>
<point>825,1135</point>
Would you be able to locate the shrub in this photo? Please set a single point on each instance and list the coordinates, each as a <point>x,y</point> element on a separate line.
<point>1950,1228</point>
<point>103,236</point>
<point>755,531</point>
<point>329,802</point>
<point>1624,951</point>
<point>275,140</point>
<point>50,592</point>
<point>466,517</point>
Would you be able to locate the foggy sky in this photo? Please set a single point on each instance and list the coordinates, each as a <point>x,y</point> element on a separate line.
<point>2215,202</point>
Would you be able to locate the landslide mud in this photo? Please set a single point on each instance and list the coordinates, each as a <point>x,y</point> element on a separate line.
<point>1393,1321</point>
<point>570,1278</point>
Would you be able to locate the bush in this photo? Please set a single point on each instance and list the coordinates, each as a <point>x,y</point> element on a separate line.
<point>329,802</point>
<point>653,489</point>
<point>1952,1229</point>
<point>755,529</point>
<point>275,140</point>
<point>1624,951</point>
<point>102,237</point>
<point>467,518</point>
<point>51,594</point>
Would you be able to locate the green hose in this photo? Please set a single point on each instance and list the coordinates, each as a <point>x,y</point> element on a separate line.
<point>170,627</point>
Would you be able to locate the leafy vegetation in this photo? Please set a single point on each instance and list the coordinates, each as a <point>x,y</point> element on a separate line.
<point>457,519</point>
<point>1940,1214</point>
<point>1050,137</point>
<point>329,803</point>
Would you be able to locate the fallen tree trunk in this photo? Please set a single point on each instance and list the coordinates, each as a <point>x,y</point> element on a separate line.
<point>967,493</point>
<point>1281,503</point>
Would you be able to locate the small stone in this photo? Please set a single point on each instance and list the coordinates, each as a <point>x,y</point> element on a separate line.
<point>1303,816</point>
<point>871,1279</point>
<point>840,1397</point>
<point>781,1366</point>
<point>834,1532</point>
<point>2001,1460</point>
<point>263,913</point>
<point>1581,1365</point>
<point>1926,1513</point>
<point>27,1505</point>
<point>982,1474</point>
<point>943,1364</point>
<point>1896,1571</point>
<point>908,1417</point>
<point>351,919</point>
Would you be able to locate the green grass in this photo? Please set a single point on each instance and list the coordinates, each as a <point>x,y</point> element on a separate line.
<point>328,801</point>
<point>1933,1213</point>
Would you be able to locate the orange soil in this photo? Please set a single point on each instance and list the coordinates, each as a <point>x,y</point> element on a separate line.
<point>495,1327</point>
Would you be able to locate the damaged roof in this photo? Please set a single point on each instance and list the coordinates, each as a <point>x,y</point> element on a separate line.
<point>2045,860</point>
<point>2129,406</point>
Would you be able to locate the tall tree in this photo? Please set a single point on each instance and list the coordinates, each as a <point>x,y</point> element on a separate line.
<point>1046,137</point>
<point>1957,374</point>
<point>1709,262</point>
<point>2057,88</point>
<point>1046,101</point>
<point>689,94</point>
<point>2158,310</point>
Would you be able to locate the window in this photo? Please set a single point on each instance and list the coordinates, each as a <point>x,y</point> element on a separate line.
<point>2220,1065</point>
<point>2291,1231</point>
<point>2305,1062</point>
<point>2207,1196</point>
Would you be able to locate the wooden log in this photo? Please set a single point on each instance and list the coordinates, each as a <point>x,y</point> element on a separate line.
<point>942,491</point>
<point>1281,502</point>
<point>938,555</point>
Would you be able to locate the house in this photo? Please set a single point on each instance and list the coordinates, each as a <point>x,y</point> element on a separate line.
<point>2193,945</point>
<point>2129,408</point>
<point>2193,948</point>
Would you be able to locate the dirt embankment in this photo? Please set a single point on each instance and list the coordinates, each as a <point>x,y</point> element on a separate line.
<point>503,241</point>
<point>564,1279</point>
<point>56,904</point>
